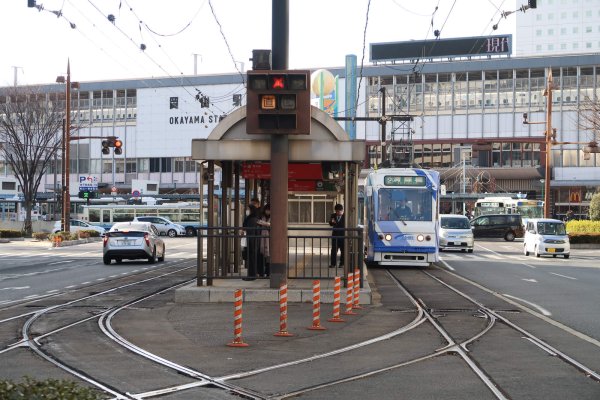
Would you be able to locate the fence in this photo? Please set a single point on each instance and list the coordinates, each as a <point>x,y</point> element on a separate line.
<point>237,252</point>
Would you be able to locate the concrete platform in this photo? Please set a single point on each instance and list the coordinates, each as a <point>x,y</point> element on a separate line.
<point>299,291</point>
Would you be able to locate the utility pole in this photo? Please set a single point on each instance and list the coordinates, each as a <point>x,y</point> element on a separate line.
<point>383,120</point>
<point>66,212</point>
<point>16,69</point>
<point>549,139</point>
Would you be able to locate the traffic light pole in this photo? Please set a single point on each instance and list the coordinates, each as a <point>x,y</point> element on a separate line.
<point>66,214</point>
<point>279,153</point>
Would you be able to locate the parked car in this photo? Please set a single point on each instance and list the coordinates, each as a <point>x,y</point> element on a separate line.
<point>132,241</point>
<point>507,226</point>
<point>546,236</point>
<point>164,225</point>
<point>78,225</point>
<point>455,233</point>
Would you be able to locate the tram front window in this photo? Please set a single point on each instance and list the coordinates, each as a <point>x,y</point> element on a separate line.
<point>405,205</point>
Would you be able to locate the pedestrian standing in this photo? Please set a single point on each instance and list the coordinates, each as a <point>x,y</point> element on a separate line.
<point>265,237</point>
<point>252,242</point>
<point>337,235</point>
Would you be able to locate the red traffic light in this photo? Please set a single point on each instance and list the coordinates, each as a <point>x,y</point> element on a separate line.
<point>118,144</point>
<point>277,82</point>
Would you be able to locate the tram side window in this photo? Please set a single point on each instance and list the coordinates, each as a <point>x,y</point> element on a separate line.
<point>94,215</point>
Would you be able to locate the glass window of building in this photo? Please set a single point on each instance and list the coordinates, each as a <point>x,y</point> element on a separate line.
<point>154,164</point>
<point>190,166</point>
<point>536,148</point>
<point>178,165</point>
<point>445,92</point>
<point>506,150</point>
<point>107,166</point>
<point>446,155</point>
<point>522,88</point>
<point>430,92</point>
<point>96,166</point>
<point>119,166</point>
<point>475,90</point>
<point>415,93</point>
<point>538,32</point>
<point>586,83</point>
<point>143,165</point>
<point>130,166</point>
<point>460,91</point>
<point>491,89</point>
<point>401,91</point>
<point>505,88</point>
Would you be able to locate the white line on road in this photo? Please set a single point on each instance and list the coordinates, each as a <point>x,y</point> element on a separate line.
<point>529,280</point>
<point>85,283</point>
<point>70,286</point>
<point>564,276</point>
<point>541,309</point>
<point>61,262</point>
<point>52,291</point>
<point>15,288</point>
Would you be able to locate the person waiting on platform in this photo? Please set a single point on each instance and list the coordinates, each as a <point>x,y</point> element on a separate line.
<point>336,220</point>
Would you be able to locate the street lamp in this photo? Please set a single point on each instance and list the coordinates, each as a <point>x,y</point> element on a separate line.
<point>66,206</point>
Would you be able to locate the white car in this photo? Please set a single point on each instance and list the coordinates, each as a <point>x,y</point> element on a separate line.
<point>78,225</point>
<point>133,241</point>
<point>455,233</point>
<point>163,225</point>
<point>546,237</point>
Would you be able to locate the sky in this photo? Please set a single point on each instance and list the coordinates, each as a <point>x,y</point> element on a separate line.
<point>37,42</point>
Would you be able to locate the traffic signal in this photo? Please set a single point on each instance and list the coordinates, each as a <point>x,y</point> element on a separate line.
<point>88,194</point>
<point>105,147</point>
<point>278,102</point>
<point>532,3</point>
<point>112,141</point>
<point>118,146</point>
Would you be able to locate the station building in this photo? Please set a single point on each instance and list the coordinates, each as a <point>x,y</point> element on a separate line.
<point>466,116</point>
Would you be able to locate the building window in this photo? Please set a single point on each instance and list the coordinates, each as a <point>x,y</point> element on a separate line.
<point>550,17</point>
<point>588,45</point>
<point>575,45</point>
<point>563,46</point>
<point>190,166</point>
<point>143,165</point>
<point>588,29</point>
<point>107,166</point>
<point>166,164</point>
<point>119,166</point>
<point>179,165</point>
<point>155,165</point>
<point>538,32</point>
<point>550,32</point>
<point>130,167</point>
<point>563,31</point>
<point>538,47</point>
<point>550,47</point>
<point>575,29</point>
<point>538,17</point>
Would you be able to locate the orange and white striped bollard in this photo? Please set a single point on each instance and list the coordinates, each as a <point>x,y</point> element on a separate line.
<point>356,304</point>
<point>349,294</point>
<point>316,324</point>
<point>336,300</point>
<point>237,323</point>
<point>283,311</point>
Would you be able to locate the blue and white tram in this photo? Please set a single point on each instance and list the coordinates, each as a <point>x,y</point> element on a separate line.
<point>401,209</point>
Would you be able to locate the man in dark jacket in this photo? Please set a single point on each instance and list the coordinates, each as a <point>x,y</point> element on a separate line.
<point>337,236</point>
<point>253,231</point>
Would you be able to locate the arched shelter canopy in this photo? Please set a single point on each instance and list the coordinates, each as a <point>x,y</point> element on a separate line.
<point>326,142</point>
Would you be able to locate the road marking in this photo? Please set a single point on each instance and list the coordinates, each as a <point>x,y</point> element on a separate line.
<point>85,283</point>
<point>113,276</point>
<point>15,288</point>
<point>70,286</point>
<point>564,276</point>
<point>100,279</point>
<point>61,262</point>
<point>52,291</point>
<point>530,280</point>
<point>541,309</point>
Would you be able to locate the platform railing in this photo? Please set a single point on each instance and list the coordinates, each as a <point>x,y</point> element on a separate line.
<point>239,253</point>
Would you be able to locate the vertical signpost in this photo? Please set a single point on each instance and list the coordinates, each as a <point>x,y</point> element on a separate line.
<point>278,104</point>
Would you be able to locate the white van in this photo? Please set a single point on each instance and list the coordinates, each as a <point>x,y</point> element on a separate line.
<point>546,236</point>
<point>455,233</point>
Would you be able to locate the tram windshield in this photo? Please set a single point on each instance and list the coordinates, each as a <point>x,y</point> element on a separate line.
<point>405,204</point>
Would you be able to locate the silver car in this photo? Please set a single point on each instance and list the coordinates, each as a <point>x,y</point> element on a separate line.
<point>133,241</point>
<point>455,233</point>
<point>163,225</point>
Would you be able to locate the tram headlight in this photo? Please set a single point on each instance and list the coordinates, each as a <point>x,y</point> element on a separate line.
<point>420,237</point>
<point>388,237</point>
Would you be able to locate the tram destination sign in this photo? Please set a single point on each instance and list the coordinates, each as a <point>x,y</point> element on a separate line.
<point>442,48</point>
<point>397,180</point>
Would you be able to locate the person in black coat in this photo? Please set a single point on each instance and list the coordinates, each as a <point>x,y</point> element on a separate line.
<point>253,231</point>
<point>337,235</point>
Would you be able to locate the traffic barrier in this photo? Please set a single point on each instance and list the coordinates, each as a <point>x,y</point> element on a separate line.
<point>356,305</point>
<point>349,294</point>
<point>283,312</point>
<point>237,323</point>
<point>336,300</point>
<point>316,324</point>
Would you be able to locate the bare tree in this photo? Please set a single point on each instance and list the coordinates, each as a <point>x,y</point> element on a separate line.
<point>31,135</point>
<point>589,118</point>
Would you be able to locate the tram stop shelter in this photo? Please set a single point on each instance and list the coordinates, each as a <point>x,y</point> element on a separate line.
<point>220,245</point>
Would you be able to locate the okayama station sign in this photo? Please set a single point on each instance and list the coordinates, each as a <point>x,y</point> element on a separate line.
<point>442,48</point>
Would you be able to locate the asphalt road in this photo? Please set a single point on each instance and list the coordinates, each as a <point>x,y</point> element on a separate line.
<point>31,269</point>
<point>565,291</point>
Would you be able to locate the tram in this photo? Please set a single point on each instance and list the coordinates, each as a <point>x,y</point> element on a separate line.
<point>401,209</point>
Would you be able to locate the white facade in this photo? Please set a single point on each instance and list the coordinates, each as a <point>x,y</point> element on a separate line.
<point>559,27</point>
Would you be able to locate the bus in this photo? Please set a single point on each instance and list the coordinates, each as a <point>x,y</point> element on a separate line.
<point>184,213</point>
<point>401,209</point>
<point>508,205</point>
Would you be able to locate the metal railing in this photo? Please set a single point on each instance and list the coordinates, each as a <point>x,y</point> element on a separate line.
<point>238,253</point>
